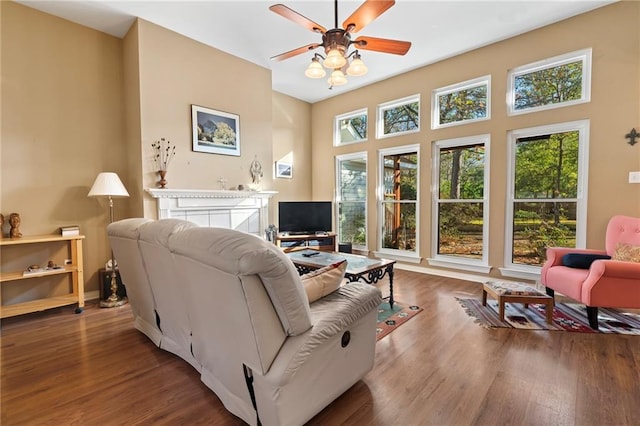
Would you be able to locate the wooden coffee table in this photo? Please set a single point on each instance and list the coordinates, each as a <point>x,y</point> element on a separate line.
<point>358,267</point>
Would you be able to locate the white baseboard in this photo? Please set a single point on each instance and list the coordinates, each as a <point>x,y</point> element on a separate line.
<point>445,273</point>
<point>442,273</point>
<point>92,295</point>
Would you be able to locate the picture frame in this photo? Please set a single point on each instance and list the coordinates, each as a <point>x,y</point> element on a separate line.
<point>284,169</point>
<point>215,132</point>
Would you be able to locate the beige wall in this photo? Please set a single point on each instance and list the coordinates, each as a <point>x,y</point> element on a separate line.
<point>76,102</point>
<point>292,143</point>
<point>62,124</point>
<point>613,34</point>
<point>133,149</point>
<point>176,72</point>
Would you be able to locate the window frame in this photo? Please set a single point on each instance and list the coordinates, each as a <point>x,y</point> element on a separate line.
<point>394,104</point>
<point>449,261</point>
<point>458,87</point>
<point>511,269</point>
<point>583,55</point>
<point>363,155</point>
<point>337,140</point>
<point>397,254</point>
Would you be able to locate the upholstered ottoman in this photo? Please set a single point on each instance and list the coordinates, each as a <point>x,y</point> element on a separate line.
<point>514,292</point>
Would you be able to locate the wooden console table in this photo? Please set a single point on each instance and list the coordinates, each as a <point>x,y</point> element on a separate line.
<point>16,254</point>
<point>323,242</point>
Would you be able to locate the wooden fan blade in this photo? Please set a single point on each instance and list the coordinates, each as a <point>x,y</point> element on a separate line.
<point>396,47</point>
<point>295,52</point>
<point>365,14</point>
<point>294,16</point>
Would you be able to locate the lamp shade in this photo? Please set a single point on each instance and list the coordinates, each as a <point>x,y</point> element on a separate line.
<point>108,184</point>
<point>315,70</point>
<point>357,67</point>
<point>335,59</point>
<point>337,78</point>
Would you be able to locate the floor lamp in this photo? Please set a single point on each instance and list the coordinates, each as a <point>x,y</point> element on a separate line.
<point>108,184</point>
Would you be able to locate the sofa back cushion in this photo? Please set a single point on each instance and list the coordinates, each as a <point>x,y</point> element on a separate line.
<point>167,285</point>
<point>622,230</point>
<point>123,237</point>
<point>242,254</point>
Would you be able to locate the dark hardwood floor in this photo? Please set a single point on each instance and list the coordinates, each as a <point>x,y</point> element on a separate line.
<point>439,368</point>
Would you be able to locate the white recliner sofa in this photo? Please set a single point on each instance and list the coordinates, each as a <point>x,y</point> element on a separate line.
<point>234,307</point>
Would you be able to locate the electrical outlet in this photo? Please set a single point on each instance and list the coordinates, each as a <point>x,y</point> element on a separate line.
<point>634,177</point>
<point>67,261</point>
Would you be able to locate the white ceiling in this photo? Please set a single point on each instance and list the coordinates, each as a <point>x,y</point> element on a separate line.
<point>249,30</point>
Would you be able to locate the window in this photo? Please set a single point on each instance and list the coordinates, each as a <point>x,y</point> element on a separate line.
<point>461,219</point>
<point>461,103</point>
<point>399,117</point>
<point>350,128</point>
<point>398,208</point>
<point>351,199</point>
<point>547,192</point>
<point>560,81</point>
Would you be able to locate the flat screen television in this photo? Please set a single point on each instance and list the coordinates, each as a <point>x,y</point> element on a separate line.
<point>304,217</point>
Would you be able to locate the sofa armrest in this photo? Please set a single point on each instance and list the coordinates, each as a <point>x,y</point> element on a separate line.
<point>554,258</point>
<point>614,269</point>
<point>338,310</point>
<point>554,254</point>
<point>334,314</point>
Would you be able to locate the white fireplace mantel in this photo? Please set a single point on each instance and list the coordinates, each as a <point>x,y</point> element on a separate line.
<point>246,211</point>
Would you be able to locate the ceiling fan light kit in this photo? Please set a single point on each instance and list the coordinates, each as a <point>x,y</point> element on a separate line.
<point>335,59</point>
<point>337,78</point>
<point>315,69</point>
<point>357,67</point>
<point>336,42</point>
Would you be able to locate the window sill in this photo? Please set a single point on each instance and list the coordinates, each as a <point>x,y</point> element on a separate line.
<point>409,258</point>
<point>461,265</point>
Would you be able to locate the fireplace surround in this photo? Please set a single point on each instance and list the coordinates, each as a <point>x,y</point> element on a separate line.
<point>245,211</point>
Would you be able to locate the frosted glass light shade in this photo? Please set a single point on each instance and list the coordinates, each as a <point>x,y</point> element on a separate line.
<point>357,67</point>
<point>335,59</point>
<point>337,78</point>
<point>315,70</point>
<point>108,184</point>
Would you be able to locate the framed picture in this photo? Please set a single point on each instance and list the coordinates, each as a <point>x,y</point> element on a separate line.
<point>215,132</point>
<point>284,169</point>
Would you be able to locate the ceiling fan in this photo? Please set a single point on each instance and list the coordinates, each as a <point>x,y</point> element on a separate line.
<point>337,41</point>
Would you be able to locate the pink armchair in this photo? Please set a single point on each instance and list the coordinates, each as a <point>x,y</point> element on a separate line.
<point>605,283</point>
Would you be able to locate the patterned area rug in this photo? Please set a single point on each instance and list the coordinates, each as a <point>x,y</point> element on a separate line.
<point>389,320</point>
<point>566,317</point>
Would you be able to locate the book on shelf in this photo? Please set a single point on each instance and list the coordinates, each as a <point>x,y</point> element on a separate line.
<point>66,231</point>
<point>42,271</point>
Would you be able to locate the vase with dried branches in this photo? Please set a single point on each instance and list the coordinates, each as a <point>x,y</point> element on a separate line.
<point>163,153</point>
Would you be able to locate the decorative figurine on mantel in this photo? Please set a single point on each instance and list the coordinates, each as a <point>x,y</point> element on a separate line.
<point>223,183</point>
<point>14,221</point>
<point>163,152</point>
<point>1,225</point>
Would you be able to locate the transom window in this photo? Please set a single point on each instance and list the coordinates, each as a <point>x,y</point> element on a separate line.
<point>461,175</point>
<point>398,117</point>
<point>547,191</point>
<point>398,199</point>
<point>351,199</point>
<point>350,128</point>
<point>556,82</point>
<point>461,103</point>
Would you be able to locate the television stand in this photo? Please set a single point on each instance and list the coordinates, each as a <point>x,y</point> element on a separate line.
<point>292,242</point>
